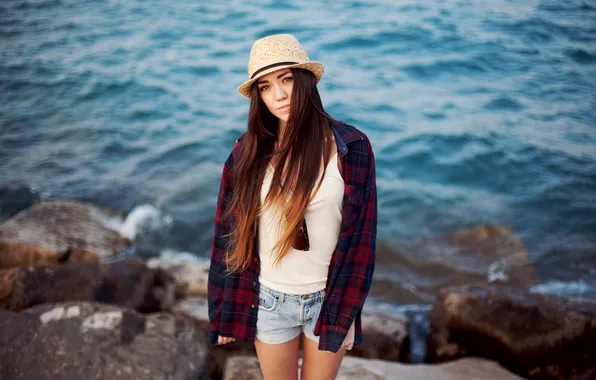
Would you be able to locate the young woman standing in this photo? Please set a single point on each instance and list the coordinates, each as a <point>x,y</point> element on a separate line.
<point>295,228</point>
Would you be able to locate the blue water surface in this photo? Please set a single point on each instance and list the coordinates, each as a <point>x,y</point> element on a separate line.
<point>479,113</point>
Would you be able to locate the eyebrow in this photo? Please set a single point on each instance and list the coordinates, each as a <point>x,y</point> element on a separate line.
<point>279,76</point>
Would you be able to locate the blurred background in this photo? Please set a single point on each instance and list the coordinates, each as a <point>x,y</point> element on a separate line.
<point>482,116</point>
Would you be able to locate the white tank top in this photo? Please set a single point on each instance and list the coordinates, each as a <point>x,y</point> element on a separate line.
<point>302,272</point>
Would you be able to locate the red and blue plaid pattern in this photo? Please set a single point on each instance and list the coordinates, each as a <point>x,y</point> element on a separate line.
<point>233,297</point>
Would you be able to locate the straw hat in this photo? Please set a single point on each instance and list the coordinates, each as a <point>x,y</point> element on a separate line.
<point>272,53</point>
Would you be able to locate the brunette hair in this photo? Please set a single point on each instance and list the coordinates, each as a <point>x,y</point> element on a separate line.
<point>297,164</point>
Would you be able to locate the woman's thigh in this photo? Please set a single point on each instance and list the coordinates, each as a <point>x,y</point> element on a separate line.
<point>279,361</point>
<point>319,365</point>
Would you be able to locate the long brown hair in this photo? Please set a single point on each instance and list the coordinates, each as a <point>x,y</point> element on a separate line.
<point>306,145</point>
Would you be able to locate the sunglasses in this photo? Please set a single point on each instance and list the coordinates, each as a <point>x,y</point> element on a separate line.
<point>301,238</point>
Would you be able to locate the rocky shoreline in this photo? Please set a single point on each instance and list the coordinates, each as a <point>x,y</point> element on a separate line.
<point>73,306</point>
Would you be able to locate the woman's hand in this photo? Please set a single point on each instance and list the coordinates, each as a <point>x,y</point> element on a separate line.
<point>225,340</point>
<point>349,339</point>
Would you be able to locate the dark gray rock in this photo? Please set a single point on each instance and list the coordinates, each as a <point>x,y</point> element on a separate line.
<point>53,231</point>
<point>191,274</point>
<point>126,283</point>
<point>80,340</point>
<point>385,336</point>
<point>536,336</point>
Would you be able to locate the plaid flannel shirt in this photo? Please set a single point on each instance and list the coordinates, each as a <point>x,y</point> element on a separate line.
<point>233,297</point>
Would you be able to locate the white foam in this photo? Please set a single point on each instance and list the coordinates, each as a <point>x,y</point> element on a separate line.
<point>144,217</point>
<point>562,288</point>
<point>179,256</point>
<point>496,271</point>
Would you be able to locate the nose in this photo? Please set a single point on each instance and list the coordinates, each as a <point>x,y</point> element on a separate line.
<point>280,93</point>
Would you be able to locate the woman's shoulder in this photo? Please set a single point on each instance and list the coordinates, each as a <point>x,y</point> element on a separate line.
<point>351,135</point>
<point>234,154</point>
<point>241,138</point>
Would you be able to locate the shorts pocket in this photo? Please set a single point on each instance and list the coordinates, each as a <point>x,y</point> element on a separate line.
<point>267,301</point>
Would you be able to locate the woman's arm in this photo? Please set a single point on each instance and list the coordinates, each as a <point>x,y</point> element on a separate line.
<point>217,268</point>
<point>357,266</point>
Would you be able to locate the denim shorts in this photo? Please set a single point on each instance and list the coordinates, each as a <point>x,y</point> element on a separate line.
<point>282,316</point>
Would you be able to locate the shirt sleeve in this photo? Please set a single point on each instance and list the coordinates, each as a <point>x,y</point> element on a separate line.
<point>217,267</point>
<point>357,267</point>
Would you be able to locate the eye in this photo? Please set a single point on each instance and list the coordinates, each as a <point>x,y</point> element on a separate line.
<point>288,79</point>
<point>264,88</point>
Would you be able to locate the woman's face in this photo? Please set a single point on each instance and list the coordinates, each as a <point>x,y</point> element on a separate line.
<point>275,90</point>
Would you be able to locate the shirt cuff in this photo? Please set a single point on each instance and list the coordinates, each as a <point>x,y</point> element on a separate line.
<point>331,338</point>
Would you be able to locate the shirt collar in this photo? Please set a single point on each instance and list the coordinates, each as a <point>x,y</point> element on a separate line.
<point>344,134</point>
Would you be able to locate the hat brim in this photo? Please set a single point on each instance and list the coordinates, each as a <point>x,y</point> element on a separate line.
<point>317,68</point>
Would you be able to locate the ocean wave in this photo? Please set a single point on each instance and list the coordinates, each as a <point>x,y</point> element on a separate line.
<point>142,219</point>
<point>564,288</point>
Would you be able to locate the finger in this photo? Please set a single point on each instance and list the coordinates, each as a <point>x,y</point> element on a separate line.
<point>350,347</point>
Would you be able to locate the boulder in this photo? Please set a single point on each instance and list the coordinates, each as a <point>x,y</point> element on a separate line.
<point>509,260</point>
<point>463,369</point>
<point>413,272</point>
<point>534,335</point>
<point>385,336</point>
<point>246,367</point>
<point>57,231</point>
<point>196,309</point>
<point>127,283</point>
<point>17,253</point>
<point>81,340</point>
<point>191,274</point>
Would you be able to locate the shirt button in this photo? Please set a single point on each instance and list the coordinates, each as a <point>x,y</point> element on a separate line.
<point>253,305</point>
<point>254,283</point>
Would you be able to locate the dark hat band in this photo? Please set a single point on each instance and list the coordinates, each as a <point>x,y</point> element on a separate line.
<point>270,66</point>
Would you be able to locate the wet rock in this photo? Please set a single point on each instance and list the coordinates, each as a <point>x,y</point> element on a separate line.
<point>385,336</point>
<point>508,254</point>
<point>534,335</point>
<point>16,253</point>
<point>481,255</point>
<point>191,274</point>
<point>55,231</point>
<point>81,340</point>
<point>493,252</point>
<point>127,283</point>
<point>196,309</point>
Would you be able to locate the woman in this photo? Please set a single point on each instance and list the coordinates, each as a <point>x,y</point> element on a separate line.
<point>294,243</point>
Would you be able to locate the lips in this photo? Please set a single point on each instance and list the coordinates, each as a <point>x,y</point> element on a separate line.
<point>283,108</point>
